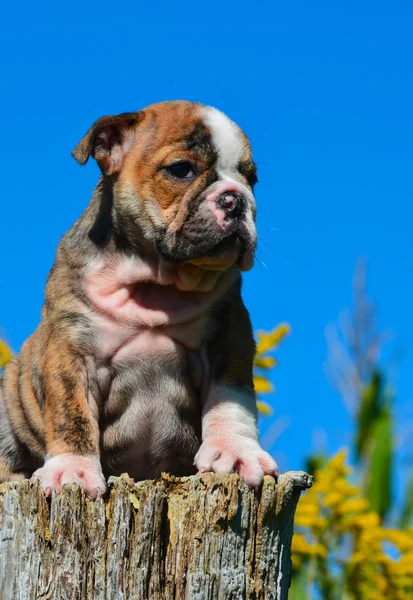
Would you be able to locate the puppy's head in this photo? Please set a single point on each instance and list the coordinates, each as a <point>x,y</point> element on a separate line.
<point>182,176</point>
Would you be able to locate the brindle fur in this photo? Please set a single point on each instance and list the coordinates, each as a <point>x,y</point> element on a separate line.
<point>144,417</point>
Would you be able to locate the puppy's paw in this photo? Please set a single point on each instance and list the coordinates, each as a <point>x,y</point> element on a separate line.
<point>236,455</point>
<point>72,468</point>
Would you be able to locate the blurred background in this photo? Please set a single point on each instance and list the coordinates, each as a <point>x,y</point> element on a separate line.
<point>325,92</point>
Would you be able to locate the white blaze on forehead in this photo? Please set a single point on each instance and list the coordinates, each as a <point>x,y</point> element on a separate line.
<point>226,138</point>
<point>229,143</point>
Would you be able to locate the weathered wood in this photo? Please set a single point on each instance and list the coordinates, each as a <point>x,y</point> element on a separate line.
<point>205,537</point>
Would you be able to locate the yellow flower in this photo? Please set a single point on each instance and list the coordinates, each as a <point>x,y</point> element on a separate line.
<point>338,463</point>
<point>262,385</point>
<point>336,526</point>
<point>308,509</point>
<point>367,521</point>
<point>301,546</point>
<point>403,540</point>
<point>265,362</point>
<point>5,354</point>
<point>269,341</point>
<point>333,499</point>
<point>353,505</point>
<point>308,520</point>
<point>264,408</point>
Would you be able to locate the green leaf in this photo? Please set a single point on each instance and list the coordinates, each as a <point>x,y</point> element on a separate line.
<point>380,464</point>
<point>406,516</point>
<point>315,462</point>
<point>368,413</point>
<point>299,584</point>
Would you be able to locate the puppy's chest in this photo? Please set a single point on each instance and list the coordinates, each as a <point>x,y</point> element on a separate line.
<point>122,328</point>
<point>117,343</point>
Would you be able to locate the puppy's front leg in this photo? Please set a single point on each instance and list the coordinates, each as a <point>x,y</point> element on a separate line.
<point>229,424</point>
<point>230,438</point>
<point>71,418</point>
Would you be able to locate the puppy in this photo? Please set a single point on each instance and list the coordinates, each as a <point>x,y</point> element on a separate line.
<point>142,362</point>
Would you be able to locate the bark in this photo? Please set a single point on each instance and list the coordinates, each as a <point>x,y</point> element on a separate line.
<point>205,537</point>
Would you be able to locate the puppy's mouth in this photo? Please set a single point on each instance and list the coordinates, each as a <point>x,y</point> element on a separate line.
<point>220,257</point>
<point>232,250</point>
<point>235,249</point>
<point>187,287</point>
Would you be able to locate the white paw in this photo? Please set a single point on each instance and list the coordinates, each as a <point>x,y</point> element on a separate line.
<point>236,454</point>
<point>72,468</point>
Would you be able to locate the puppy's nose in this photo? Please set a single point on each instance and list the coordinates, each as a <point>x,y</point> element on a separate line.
<point>231,202</point>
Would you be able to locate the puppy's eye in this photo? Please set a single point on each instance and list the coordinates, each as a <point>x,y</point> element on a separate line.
<point>180,170</point>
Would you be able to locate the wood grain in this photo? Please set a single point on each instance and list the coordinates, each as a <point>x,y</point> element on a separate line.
<point>205,537</point>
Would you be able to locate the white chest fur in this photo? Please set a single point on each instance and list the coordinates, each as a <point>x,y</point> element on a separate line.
<point>139,311</point>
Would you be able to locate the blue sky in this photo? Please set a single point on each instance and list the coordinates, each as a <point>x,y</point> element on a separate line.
<point>325,92</point>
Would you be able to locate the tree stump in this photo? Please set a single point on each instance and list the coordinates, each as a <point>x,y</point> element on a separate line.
<point>204,537</point>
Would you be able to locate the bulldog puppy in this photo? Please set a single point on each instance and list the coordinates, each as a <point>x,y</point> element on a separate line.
<point>142,362</point>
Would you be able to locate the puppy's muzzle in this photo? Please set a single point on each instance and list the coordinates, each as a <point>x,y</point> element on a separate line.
<point>232,203</point>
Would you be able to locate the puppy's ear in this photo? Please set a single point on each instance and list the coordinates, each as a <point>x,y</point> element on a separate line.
<point>108,140</point>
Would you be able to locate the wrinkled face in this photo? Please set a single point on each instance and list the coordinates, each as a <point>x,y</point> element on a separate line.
<point>184,173</point>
